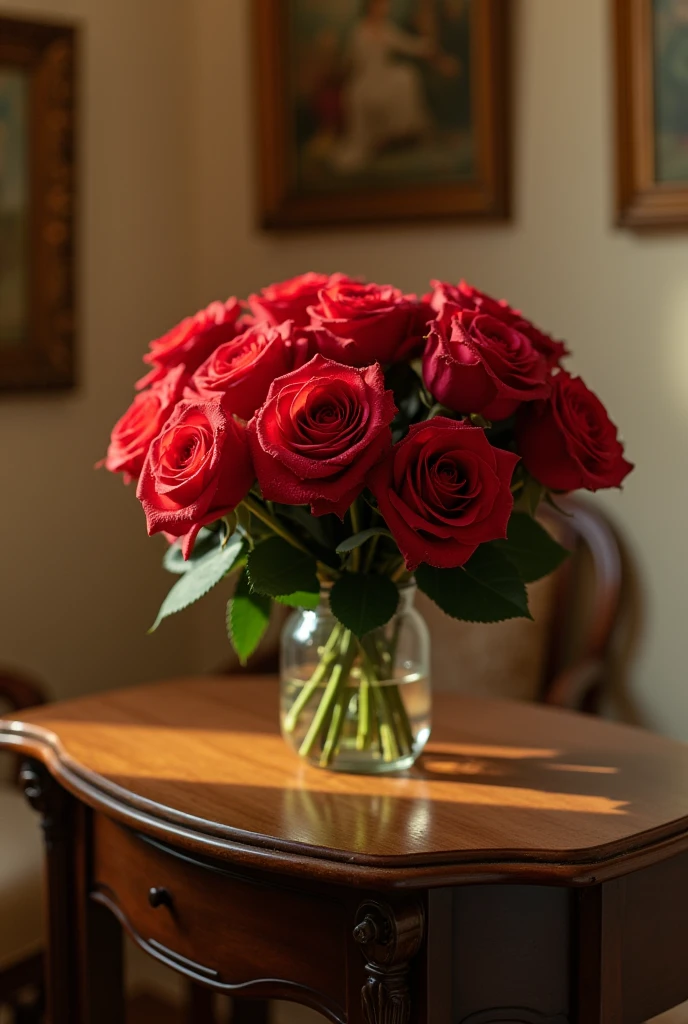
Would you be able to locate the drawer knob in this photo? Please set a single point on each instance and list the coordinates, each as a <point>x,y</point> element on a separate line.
<point>159,897</point>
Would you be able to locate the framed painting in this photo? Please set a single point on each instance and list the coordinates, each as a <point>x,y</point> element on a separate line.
<point>37,91</point>
<point>382,110</point>
<point>652,112</point>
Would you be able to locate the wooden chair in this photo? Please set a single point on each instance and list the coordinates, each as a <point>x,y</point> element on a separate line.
<point>598,614</point>
<point>21,866</point>
<point>587,622</point>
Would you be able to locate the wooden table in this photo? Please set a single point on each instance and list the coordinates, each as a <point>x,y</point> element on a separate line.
<point>532,869</point>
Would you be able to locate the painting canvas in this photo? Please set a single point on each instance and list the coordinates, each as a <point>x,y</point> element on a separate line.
<point>652,112</point>
<point>381,92</point>
<point>380,109</point>
<point>14,199</point>
<point>671,89</point>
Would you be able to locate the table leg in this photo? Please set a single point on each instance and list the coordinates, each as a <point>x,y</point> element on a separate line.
<point>200,1007</point>
<point>385,941</point>
<point>250,1011</point>
<point>83,963</point>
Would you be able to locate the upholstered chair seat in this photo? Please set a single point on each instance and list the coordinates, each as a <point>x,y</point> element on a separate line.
<point>21,875</point>
<point>21,860</point>
<point>506,659</point>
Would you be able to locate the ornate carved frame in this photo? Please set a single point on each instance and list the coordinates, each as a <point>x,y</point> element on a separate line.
<point>47,53</point>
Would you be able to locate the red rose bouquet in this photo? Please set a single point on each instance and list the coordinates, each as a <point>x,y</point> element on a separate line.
<point>330,436</point>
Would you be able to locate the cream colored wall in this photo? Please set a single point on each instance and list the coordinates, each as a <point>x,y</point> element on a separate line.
<point>622,301</point>
<point>80,581</point>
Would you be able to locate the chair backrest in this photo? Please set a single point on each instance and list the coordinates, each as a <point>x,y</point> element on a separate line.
<point>17,691</point>
<point>597,613</point>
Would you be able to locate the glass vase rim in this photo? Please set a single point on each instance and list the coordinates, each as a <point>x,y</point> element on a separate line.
<point>407,587</point>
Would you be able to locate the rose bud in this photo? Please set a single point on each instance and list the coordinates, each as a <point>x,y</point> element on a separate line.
<point>320,430</point>
<point>359,324</point>
<point>568,440</point>
<point>448,299</point>
<point>444,490</point>
<point>289,300</point>
<point>197,469</point>
<point>190,343</point>
<point>132,434</point>
<point>241,371</point>
<point>481,365</point>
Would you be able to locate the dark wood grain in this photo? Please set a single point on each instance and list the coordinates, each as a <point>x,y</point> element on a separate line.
<point>502,783</point>
<point>19,691</point>
<point>201,930</point>
<point>84,967</point>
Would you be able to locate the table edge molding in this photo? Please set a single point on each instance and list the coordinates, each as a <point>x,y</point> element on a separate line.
<point>571,868</point>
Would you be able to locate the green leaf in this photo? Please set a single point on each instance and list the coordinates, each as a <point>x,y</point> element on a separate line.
<point>300,599</point>
<point>248,616</point>
<point>487,589</point>
<point>360,538</point>
<point>323,533</point>
<point>276,568</point>
<point>363,602</point>
<point>530,496</point>
<point>531,548</point>
<point>317,527</point>
<point>207,540</point>
<point>204,574</point>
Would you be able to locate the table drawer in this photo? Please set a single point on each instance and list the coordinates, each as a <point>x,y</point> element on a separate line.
<point>217,926</point>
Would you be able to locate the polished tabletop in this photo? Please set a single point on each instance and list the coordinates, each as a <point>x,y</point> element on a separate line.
<point>500,783</point>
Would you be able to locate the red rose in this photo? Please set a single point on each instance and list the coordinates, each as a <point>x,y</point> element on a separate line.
<point>359,324</point>
<point>132,434</point>
<point>197,469</point>
<point>241,371</point>
<point>289,300</point>
<point>191,342</point>
<point>568,440</point>
<point>480,365</point>
<point>449,299</point>
<point>444,490</point>
<point>320,430</point>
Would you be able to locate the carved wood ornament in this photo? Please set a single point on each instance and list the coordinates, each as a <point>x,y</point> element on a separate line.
<point>47,798</point>
<point>389,939</point>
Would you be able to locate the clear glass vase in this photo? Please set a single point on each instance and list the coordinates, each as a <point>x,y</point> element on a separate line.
<point>356,705</point>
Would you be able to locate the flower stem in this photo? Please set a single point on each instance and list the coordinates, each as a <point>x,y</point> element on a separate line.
<point>256,509</point>
<point>399,572</point>
<point>355,528</point>
<point>370,553</point>
<point>335,730</point>
<point>388,739</point>
<point>400,716</point>
<point>363,730</point>
<point>327,657</point>
<point>339,677</point>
